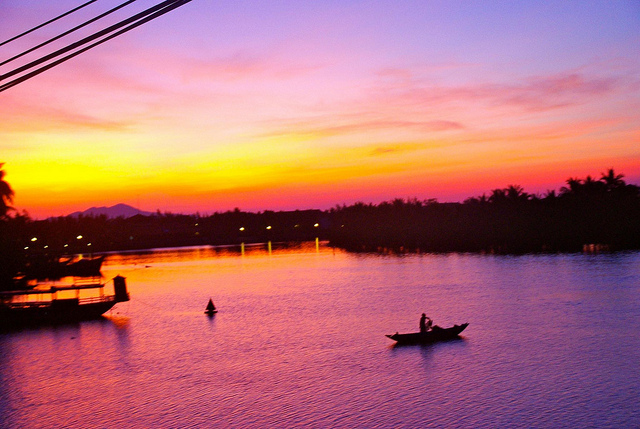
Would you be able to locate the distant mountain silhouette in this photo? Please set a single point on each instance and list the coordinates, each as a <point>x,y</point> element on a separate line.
<point>119,210</point>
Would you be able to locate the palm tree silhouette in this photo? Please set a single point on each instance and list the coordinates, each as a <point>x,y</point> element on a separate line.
<point>612,180</point>
<point>498,195</point>
<point>6,194</point>
<point>574,186</point>
<point>516,193</point>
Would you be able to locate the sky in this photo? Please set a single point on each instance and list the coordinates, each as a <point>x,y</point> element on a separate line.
<point>283,105</point>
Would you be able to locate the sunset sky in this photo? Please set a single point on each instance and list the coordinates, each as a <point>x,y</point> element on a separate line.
<point>279,105</point>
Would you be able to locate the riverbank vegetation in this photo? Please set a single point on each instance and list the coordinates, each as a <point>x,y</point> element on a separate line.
<point>584,215</point>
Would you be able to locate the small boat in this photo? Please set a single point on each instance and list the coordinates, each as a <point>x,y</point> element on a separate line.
<point>211,309</point>
<point>42,304</point>
<point>435,334</point>
<point>56,269</point>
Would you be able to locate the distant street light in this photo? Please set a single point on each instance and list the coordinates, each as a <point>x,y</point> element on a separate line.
<point>269,227</point>
<point>242,228</point>
<point>79,237</point>
<point>34,239</point>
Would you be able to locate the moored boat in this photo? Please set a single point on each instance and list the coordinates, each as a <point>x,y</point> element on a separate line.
<point>53,304</point>
<point>433,335</point>
<point>41,269</point>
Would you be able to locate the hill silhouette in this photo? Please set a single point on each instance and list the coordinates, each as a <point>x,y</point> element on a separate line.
<point>596,213</point>
<point>585,215</point>
<point>119,210</point>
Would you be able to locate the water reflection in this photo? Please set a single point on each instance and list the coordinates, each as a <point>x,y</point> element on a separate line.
<point>59,328</point>
<point>41,367</point>
<point>299,341</point>
<point>461,340</point>
<point>121,327</point>
<point>141,258</point>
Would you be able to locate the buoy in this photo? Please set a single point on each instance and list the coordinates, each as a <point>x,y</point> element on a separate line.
<point>211,309</point>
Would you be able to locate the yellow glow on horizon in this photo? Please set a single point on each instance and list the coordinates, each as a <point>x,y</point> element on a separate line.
<point>181,156</point>
<point>229,172</point>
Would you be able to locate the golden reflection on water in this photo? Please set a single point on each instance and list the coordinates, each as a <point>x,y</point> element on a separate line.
<point>211,252</point>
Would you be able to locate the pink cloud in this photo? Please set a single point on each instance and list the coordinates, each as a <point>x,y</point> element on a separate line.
<point>538,93</point>
<point>30,117</point>
<point>548,92</point>
<point>349,124</point>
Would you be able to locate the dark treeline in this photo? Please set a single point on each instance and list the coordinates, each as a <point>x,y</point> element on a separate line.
<point>101,234</point>
<point>26,244</point>
<point>604,213</point>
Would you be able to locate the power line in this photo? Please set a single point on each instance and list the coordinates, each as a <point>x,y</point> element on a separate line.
<point>48,22</point>
<point>128,24</point>
<point>88,39</point>
<point>84,24</point>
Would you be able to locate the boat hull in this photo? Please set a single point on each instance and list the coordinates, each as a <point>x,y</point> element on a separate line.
<point>434,335</point>
<point>53,312</point>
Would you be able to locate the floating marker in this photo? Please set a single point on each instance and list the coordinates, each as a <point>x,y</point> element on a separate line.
<point>211,309</point>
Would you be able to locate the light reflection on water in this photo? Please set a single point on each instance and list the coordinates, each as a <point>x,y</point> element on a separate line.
<point>299,341</point>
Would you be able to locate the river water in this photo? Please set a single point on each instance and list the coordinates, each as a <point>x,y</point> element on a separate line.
<point>299,341</point>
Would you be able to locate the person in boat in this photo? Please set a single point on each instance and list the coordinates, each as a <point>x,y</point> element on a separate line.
<point>425,323</point>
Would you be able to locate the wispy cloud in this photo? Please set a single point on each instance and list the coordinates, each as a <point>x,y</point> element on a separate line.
<point>395,149</point>
<point>537,93</point>
<point>243,66</point>
<point>29,117</point>
<point>549,92</point>
<point>348,124</point>
<point>403,102</point>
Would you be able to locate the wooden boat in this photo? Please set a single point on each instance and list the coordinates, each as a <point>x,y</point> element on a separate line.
<point>435,334</point>
<point>211,309</point>
<point>52,304</point>
<point>56,269</point>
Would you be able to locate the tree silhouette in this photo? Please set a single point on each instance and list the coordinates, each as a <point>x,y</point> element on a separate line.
<point>592,186</point>
<point>602,212</point>
<point>585,211</point>
<point>550,195</point>
<point>612,180</point>
<point>574,186</point>
<point>498,196</point>
<point>517,193</point>
<point>6,194</point>
<point>11,258</point>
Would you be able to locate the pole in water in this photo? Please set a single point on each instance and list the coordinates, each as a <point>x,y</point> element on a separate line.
<point>211,309</point>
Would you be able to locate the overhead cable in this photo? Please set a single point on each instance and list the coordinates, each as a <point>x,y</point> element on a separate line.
<point>84,24</point>
<point>48,22</point>
<point>128,24</point>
